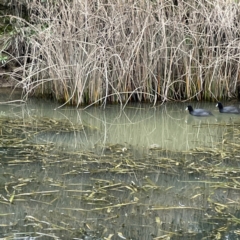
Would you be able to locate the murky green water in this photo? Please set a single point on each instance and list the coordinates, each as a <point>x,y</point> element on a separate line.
<point>141,173</point>
<point>139,126</point>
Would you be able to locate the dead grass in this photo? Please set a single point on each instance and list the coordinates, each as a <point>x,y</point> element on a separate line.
<point>83,52</point>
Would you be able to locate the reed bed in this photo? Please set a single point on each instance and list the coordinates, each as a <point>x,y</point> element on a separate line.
<point>84,52</point>
<point>50,193</point>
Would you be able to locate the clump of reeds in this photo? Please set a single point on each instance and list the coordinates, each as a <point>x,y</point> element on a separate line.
<point>83,52</point>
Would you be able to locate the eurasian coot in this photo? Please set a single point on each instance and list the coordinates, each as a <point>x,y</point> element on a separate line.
<point>198,112</point>
<point>228,109</point>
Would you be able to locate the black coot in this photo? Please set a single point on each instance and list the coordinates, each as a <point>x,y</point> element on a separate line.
<point>228,109</point>
<point>198,112</point>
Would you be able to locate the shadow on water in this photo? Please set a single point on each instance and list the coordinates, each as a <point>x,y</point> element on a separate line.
<point>145,173</point>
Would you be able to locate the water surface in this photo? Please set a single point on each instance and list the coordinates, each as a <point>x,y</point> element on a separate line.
<point>142,173</point>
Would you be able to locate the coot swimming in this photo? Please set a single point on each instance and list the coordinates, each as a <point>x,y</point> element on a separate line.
<point>227,109</point>
<point>198,112</point>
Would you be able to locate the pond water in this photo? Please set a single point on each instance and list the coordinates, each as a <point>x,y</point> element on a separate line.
<point>139,173</point>
<point>138,126</point>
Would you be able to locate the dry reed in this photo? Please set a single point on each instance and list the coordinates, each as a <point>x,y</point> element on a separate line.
<point>83,52</point>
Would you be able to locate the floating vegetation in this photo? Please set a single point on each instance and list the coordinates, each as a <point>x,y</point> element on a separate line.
<point>107,193</point>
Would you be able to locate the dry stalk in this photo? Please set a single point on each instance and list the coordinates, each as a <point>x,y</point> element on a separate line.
<point>84,52</point>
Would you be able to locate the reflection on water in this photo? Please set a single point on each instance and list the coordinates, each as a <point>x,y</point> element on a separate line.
<point>141,173</point>
<point>168,126</point>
